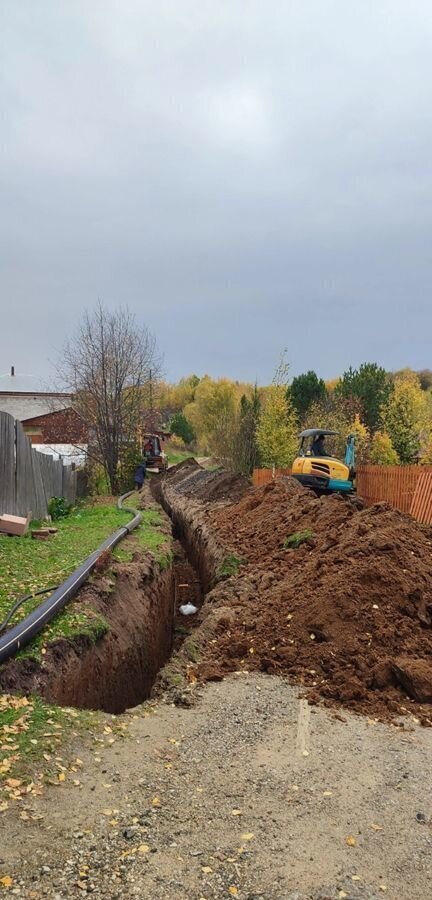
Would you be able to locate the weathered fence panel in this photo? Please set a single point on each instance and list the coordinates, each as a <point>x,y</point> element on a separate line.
<point>29,479</point>
<point>51,471</point>
<point>40,508</point>
<point>7,465</point>
<point>26,494</point>
<point>69,488</point>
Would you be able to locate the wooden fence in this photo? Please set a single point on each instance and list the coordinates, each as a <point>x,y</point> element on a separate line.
<point>29,479</point>
<point>395,484</point>
<point>263,476</point>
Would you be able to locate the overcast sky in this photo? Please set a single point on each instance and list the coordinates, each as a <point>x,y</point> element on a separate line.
<point>246,175</point>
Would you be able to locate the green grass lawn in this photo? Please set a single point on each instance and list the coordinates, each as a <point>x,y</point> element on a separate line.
<point>28,565</point>
<point>177,456</point>
<point>32,732</point>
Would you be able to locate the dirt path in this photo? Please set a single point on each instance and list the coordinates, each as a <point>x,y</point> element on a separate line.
<point>251,793</point>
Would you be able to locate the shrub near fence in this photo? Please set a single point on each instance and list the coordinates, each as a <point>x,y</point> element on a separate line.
<point>29,479</point>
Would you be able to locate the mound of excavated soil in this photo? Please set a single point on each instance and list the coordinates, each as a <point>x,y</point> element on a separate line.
<point>207,485</point>
<point>348,612</point>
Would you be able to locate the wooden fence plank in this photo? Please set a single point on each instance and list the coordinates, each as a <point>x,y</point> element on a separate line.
<point>7,464</point>
<point>27,500</point>
<point>421,507</point>
<point>40,502</point>
<point>69,486</point>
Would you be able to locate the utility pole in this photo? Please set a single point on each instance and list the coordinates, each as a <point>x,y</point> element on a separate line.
<point>151,416</point>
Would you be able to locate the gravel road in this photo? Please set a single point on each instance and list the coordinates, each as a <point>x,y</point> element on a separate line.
<point>250,793</point>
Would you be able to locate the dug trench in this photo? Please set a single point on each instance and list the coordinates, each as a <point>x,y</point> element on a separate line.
<point>139,600</point>
<point>335,597</point>
<point>326,592</point>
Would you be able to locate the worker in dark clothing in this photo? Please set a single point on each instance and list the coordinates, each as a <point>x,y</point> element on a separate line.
<point>318,447</point>
<point>140,474</point>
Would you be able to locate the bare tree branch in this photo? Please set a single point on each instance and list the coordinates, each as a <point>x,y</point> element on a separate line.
<point>107,366</point>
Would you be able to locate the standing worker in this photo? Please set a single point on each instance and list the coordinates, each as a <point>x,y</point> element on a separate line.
<point>140,474</point>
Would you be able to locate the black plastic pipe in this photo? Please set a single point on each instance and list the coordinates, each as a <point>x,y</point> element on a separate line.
<point>21,634</point>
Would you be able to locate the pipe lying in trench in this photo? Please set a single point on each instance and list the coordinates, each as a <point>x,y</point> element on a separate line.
<point>21,634</point>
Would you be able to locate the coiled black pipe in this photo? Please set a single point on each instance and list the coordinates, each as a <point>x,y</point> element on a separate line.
<point>28,628</point>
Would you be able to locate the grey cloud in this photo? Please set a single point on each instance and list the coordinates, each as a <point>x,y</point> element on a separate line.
<point>244,176</point>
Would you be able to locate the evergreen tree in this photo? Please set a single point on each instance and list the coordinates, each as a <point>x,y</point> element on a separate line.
<point>371,385</point>
<point>180,426</point>
<point>304,390</point>
<point>245,453</point>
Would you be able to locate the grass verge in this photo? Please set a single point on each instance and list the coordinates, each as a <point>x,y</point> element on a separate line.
<point>28,565</point>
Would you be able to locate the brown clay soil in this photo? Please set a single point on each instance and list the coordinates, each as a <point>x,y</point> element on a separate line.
<point>347,614</point>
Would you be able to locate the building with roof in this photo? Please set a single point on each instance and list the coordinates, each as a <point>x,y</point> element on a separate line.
<point>48,418</point>
<point>26,396</point>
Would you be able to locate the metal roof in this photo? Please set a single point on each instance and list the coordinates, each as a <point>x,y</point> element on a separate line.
<point>23,384</point>
<point>311,432</point>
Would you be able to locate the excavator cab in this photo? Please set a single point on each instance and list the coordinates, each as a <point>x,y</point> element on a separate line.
<point>324,473</point>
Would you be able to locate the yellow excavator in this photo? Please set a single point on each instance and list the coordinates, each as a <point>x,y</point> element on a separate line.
<point>315,469</point>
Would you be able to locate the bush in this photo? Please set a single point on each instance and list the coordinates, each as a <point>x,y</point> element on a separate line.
<point>59,508</point>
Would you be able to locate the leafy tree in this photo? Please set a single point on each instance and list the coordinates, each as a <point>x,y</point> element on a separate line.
<point>108,365</point>
<point>382,452</point>
<point>406,416</point>
<point>180,426</point>
<point>371,385</point>
<point>362,439</point>
<point>277,430</point>
<point>304,390</point>
<point>245,450</point>
<point>336,414</point>
<point>175,397</point>
<point>213,416</point>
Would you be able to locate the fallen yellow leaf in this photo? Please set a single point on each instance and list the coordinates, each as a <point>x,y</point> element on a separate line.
<point>62,776</point>
<point>156,801</point>
<point>144,848</point>
<point>247,836</point>
<point>233,891</point>
<point>206,869</point>
<point>6,881</point>
<point>350,841</point>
